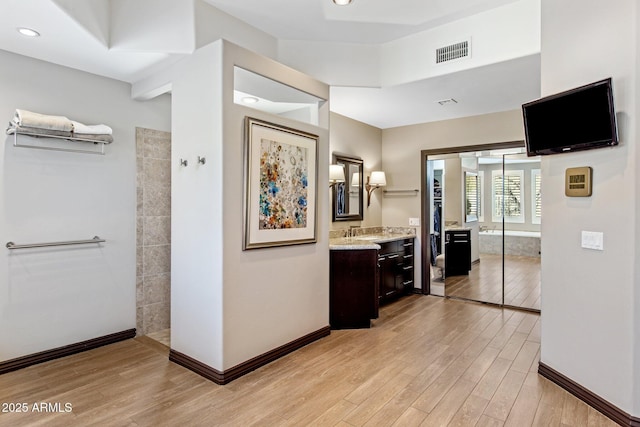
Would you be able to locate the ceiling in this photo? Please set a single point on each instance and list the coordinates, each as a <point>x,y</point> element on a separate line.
<point>101,37</point>
<point>363,21</point>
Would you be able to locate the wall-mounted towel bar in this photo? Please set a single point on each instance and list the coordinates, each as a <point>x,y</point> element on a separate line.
<point>96,239</point>
<point>400,191</point>
<point>70,139</point>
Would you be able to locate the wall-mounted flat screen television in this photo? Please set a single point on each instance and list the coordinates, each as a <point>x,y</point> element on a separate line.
<point>578,119</point>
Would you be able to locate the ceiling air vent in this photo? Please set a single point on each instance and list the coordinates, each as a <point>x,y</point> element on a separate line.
<point>453,51</point>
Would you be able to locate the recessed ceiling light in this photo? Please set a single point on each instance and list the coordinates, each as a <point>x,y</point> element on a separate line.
<point>28,32</point>
<point>250,99</point>
<point>342,2</point>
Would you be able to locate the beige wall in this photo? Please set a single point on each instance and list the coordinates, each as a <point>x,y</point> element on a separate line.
<point>229,305</point>
<point>401,151</point>
<point>589,317</point>
<point>353,138</point>
<point>53,297</point>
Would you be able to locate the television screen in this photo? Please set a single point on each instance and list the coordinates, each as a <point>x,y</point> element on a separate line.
<point>578,119</point>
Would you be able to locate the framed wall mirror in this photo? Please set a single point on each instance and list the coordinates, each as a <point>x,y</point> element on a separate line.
<point>471,199</point>
<point>347,195</point>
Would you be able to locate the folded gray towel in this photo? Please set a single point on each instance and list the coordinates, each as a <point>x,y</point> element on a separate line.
<point>26,130</point>
<point>38,132</point>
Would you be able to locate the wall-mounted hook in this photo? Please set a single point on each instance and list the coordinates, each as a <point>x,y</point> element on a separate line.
<point>183,163</point>
<point>202,160</point>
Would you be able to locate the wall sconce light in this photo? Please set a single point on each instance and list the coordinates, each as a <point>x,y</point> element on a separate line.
<point>342,2</point>
<point>336,174</point>
<point>355,179</point>
<point>375,181</point>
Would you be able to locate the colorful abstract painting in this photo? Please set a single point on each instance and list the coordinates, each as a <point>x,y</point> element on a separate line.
<point>280,185</point>
<point>283,185</point>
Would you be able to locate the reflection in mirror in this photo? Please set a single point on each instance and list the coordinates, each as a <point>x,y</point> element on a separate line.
<point>261,93</point>
<point>347,195</point>
<point>471,198</point>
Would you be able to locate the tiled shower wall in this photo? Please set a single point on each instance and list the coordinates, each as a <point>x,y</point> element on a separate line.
<point>153,247</point>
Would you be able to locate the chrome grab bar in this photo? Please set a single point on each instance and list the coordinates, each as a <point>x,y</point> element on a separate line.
<point>96,239</point>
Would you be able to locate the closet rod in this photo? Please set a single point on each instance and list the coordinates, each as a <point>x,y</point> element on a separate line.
<point>96,239</point>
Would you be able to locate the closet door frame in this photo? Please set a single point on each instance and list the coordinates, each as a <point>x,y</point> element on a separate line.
<point>426,192</point>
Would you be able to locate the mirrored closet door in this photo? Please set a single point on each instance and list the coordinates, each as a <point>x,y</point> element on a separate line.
<point>484,226</point>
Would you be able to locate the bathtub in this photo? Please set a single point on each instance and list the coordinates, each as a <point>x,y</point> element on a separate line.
<point>522,243</point>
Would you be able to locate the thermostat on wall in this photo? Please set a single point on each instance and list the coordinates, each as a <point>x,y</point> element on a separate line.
<point>577,182</point>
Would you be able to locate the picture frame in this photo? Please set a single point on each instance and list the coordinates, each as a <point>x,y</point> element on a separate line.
<point>280,174</point>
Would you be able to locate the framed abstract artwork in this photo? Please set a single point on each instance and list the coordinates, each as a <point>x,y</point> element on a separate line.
<point>280,185</point>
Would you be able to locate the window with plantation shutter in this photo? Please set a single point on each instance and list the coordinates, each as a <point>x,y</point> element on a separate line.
<point>481,196</point>
<point>507,195</point>
<point>471,196</point>
<point>536,207</point>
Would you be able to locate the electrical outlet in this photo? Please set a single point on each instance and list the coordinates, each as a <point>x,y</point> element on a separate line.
<point>414,222</point>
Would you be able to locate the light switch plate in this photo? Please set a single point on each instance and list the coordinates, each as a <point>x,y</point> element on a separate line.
<point>414,222</point>
<point>593,240</point>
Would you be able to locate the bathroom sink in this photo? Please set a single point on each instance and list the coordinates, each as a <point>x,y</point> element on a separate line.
<point>368,237</point>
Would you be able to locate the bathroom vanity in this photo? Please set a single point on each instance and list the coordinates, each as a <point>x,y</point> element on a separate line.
<point>457,251</point>
<point>367,270</point>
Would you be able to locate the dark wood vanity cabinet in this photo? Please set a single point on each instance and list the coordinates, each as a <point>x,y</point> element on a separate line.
<point>353,293</point>
<point>362,279</point>
<point>457,252</point>
<point>407,265</point>
<point>395,263</point>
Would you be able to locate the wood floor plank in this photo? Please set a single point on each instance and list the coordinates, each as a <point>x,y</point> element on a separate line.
<point>596,419</point>
<point>425,361</point>
<point>377,400</point>
<point>526,403</point>
<point>484,281</point>
<point>575,413</point>
<point>449,405</point>
<point>410,418</point>
<point>393,410</point>
<point>470,412</point>
<point>491,380</point>
<point>334,414</point>
<point>504,397</point>
<point>486,421</point>
<point>525,356</point>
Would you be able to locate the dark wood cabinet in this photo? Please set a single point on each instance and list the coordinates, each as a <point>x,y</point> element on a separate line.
<point>387,263</point>
<point>457,252</point>
<point>353,293</point>
<point>362,279</point>
<point>407,265</point>
<point>395,261</point>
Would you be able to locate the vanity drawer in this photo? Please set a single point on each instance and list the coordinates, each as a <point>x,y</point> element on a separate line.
<point>387,248</point>
<point>395,264</point>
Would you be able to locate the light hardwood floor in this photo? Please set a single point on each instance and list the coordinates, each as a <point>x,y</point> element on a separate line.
<point>484,282</point>
<point>427,361</point>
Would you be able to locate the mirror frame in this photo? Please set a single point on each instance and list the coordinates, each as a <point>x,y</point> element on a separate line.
<point>348,161</point>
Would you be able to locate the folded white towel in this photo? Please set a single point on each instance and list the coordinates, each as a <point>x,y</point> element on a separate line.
<point>42,121</point>
<point>91,129</point>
